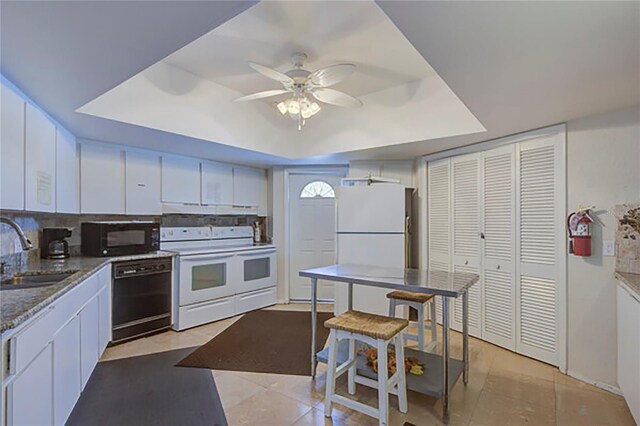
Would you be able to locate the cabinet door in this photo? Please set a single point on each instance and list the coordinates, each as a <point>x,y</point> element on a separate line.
<point>40,164</point>
<point>142,171</point>
<point>247,186</point>
<point>217,184</point>
<point>66,370</point>
<point>11,150</point>
<point>104,325</point>
<point>101,179</point>
<point>30,395</point>
<point>89,339</point>
<point>67,173</point>
<point>180,180</point>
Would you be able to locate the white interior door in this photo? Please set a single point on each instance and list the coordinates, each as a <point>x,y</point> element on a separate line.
<point>438,214</point>
<point>312,229</point>
<point>541,243</point>
<point>465,244</point>
<point>499,260</point>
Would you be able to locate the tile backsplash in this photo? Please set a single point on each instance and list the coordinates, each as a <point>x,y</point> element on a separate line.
<point>32,222</point>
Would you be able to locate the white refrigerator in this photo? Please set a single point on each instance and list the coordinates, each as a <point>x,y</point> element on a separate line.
<point>372,229</point>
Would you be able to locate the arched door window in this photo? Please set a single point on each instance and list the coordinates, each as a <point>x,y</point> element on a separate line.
<point>317,189</point>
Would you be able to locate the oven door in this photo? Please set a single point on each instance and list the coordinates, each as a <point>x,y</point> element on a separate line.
<point>205,277</point>
<point>257,269</point>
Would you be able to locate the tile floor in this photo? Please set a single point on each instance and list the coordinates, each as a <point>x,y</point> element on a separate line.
<point>504,389</point>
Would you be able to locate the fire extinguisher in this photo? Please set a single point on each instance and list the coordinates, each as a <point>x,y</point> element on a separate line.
<point>579,228</point>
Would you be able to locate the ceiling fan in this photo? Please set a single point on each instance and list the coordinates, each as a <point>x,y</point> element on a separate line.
<point>302,85</point>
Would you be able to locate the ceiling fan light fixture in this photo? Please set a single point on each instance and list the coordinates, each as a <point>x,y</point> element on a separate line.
<point>304,87</point>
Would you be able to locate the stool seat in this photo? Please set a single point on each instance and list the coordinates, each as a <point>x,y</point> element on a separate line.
<point>409,296</point>
<point>374,326</point>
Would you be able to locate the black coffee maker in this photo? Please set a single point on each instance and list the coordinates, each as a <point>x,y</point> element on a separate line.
<point>53,244</point>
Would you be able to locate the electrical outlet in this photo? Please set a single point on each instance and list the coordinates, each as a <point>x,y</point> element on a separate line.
<point>608,248</point>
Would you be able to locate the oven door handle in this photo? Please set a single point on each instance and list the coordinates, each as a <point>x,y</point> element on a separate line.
<point>201,257</point>
<point>256,252</point>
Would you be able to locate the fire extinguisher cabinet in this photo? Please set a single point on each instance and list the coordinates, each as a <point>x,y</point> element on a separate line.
<point>582,245</point>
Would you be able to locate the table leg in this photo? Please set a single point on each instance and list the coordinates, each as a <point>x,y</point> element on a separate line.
<point>350,298</point>
<point>445,359</point>
<point>314,323</point>
<point>465,337</point>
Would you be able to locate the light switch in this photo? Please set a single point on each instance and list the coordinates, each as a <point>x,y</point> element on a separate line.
<point>608,248</point>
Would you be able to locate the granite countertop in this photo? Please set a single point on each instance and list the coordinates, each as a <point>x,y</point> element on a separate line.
<point>16,306</point>
<point>630,282</point>
<point>451,284</point>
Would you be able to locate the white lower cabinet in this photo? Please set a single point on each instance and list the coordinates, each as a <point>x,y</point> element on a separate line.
<point>66,371</point>
<point>629,350</point>
<point>54,354</point>
<point>30,395</point>
<point>89,341</point>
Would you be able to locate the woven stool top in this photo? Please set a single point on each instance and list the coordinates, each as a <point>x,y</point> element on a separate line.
<point>409,296</point>
<point>376,326</point>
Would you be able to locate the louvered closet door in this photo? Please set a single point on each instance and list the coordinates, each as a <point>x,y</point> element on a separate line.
<point>439,209</point>
<point>499,260</point>
<point>540,199</point>
<point>465,178</point>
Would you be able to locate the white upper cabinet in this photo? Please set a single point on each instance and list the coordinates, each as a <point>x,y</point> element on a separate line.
<point>248,186</point>
<point>142,171</point>
<point>217,184</point>
<point>102,187</point>
<point>67,173</point>
<point>40,164</point>
<point>180,180</point>
<point>11,150</point>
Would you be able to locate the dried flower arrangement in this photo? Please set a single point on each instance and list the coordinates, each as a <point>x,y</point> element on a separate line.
<point>411,365</point>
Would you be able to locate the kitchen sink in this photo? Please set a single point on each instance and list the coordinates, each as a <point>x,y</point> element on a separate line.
<point>33,279</point>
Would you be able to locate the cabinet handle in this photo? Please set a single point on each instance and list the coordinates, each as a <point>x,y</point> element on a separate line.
<point>142,185</point>
<point>498,267</point>
<point>466,262</point>
<point>482,235</point>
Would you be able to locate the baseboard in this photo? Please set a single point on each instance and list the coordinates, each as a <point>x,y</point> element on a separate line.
<point>613,389</point>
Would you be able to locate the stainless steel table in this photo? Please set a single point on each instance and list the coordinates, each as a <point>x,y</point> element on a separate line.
<point>445,284</point>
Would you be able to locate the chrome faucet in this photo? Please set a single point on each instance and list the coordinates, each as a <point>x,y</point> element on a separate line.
<point>24,241</point>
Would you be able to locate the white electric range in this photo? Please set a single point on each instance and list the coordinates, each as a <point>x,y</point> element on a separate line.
<point>220,273</point>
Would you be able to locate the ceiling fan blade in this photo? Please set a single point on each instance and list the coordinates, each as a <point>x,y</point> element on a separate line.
<point>272,74</point>
<point>260,95</point>
<point>334,97</point>
<point>329,76</point>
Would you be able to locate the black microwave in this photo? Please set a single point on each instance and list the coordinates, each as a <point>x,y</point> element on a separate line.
<point>119,238</point>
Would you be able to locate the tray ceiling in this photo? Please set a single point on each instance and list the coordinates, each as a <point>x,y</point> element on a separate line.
<point>191,91</point>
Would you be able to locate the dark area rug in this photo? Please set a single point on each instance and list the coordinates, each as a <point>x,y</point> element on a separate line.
<point>149,390</point>
<point>263,341</point>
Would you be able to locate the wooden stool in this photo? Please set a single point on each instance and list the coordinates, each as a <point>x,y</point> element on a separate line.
<point>416,301</point>
<point>377,331</point>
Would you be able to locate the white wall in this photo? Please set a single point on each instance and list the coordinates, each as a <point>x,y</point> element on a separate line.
<point>603,169</point>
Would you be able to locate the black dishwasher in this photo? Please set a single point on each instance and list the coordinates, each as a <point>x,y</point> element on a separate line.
<point>141,302</point>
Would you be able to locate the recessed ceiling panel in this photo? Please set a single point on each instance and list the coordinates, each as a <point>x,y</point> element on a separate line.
<point>191,91</point>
